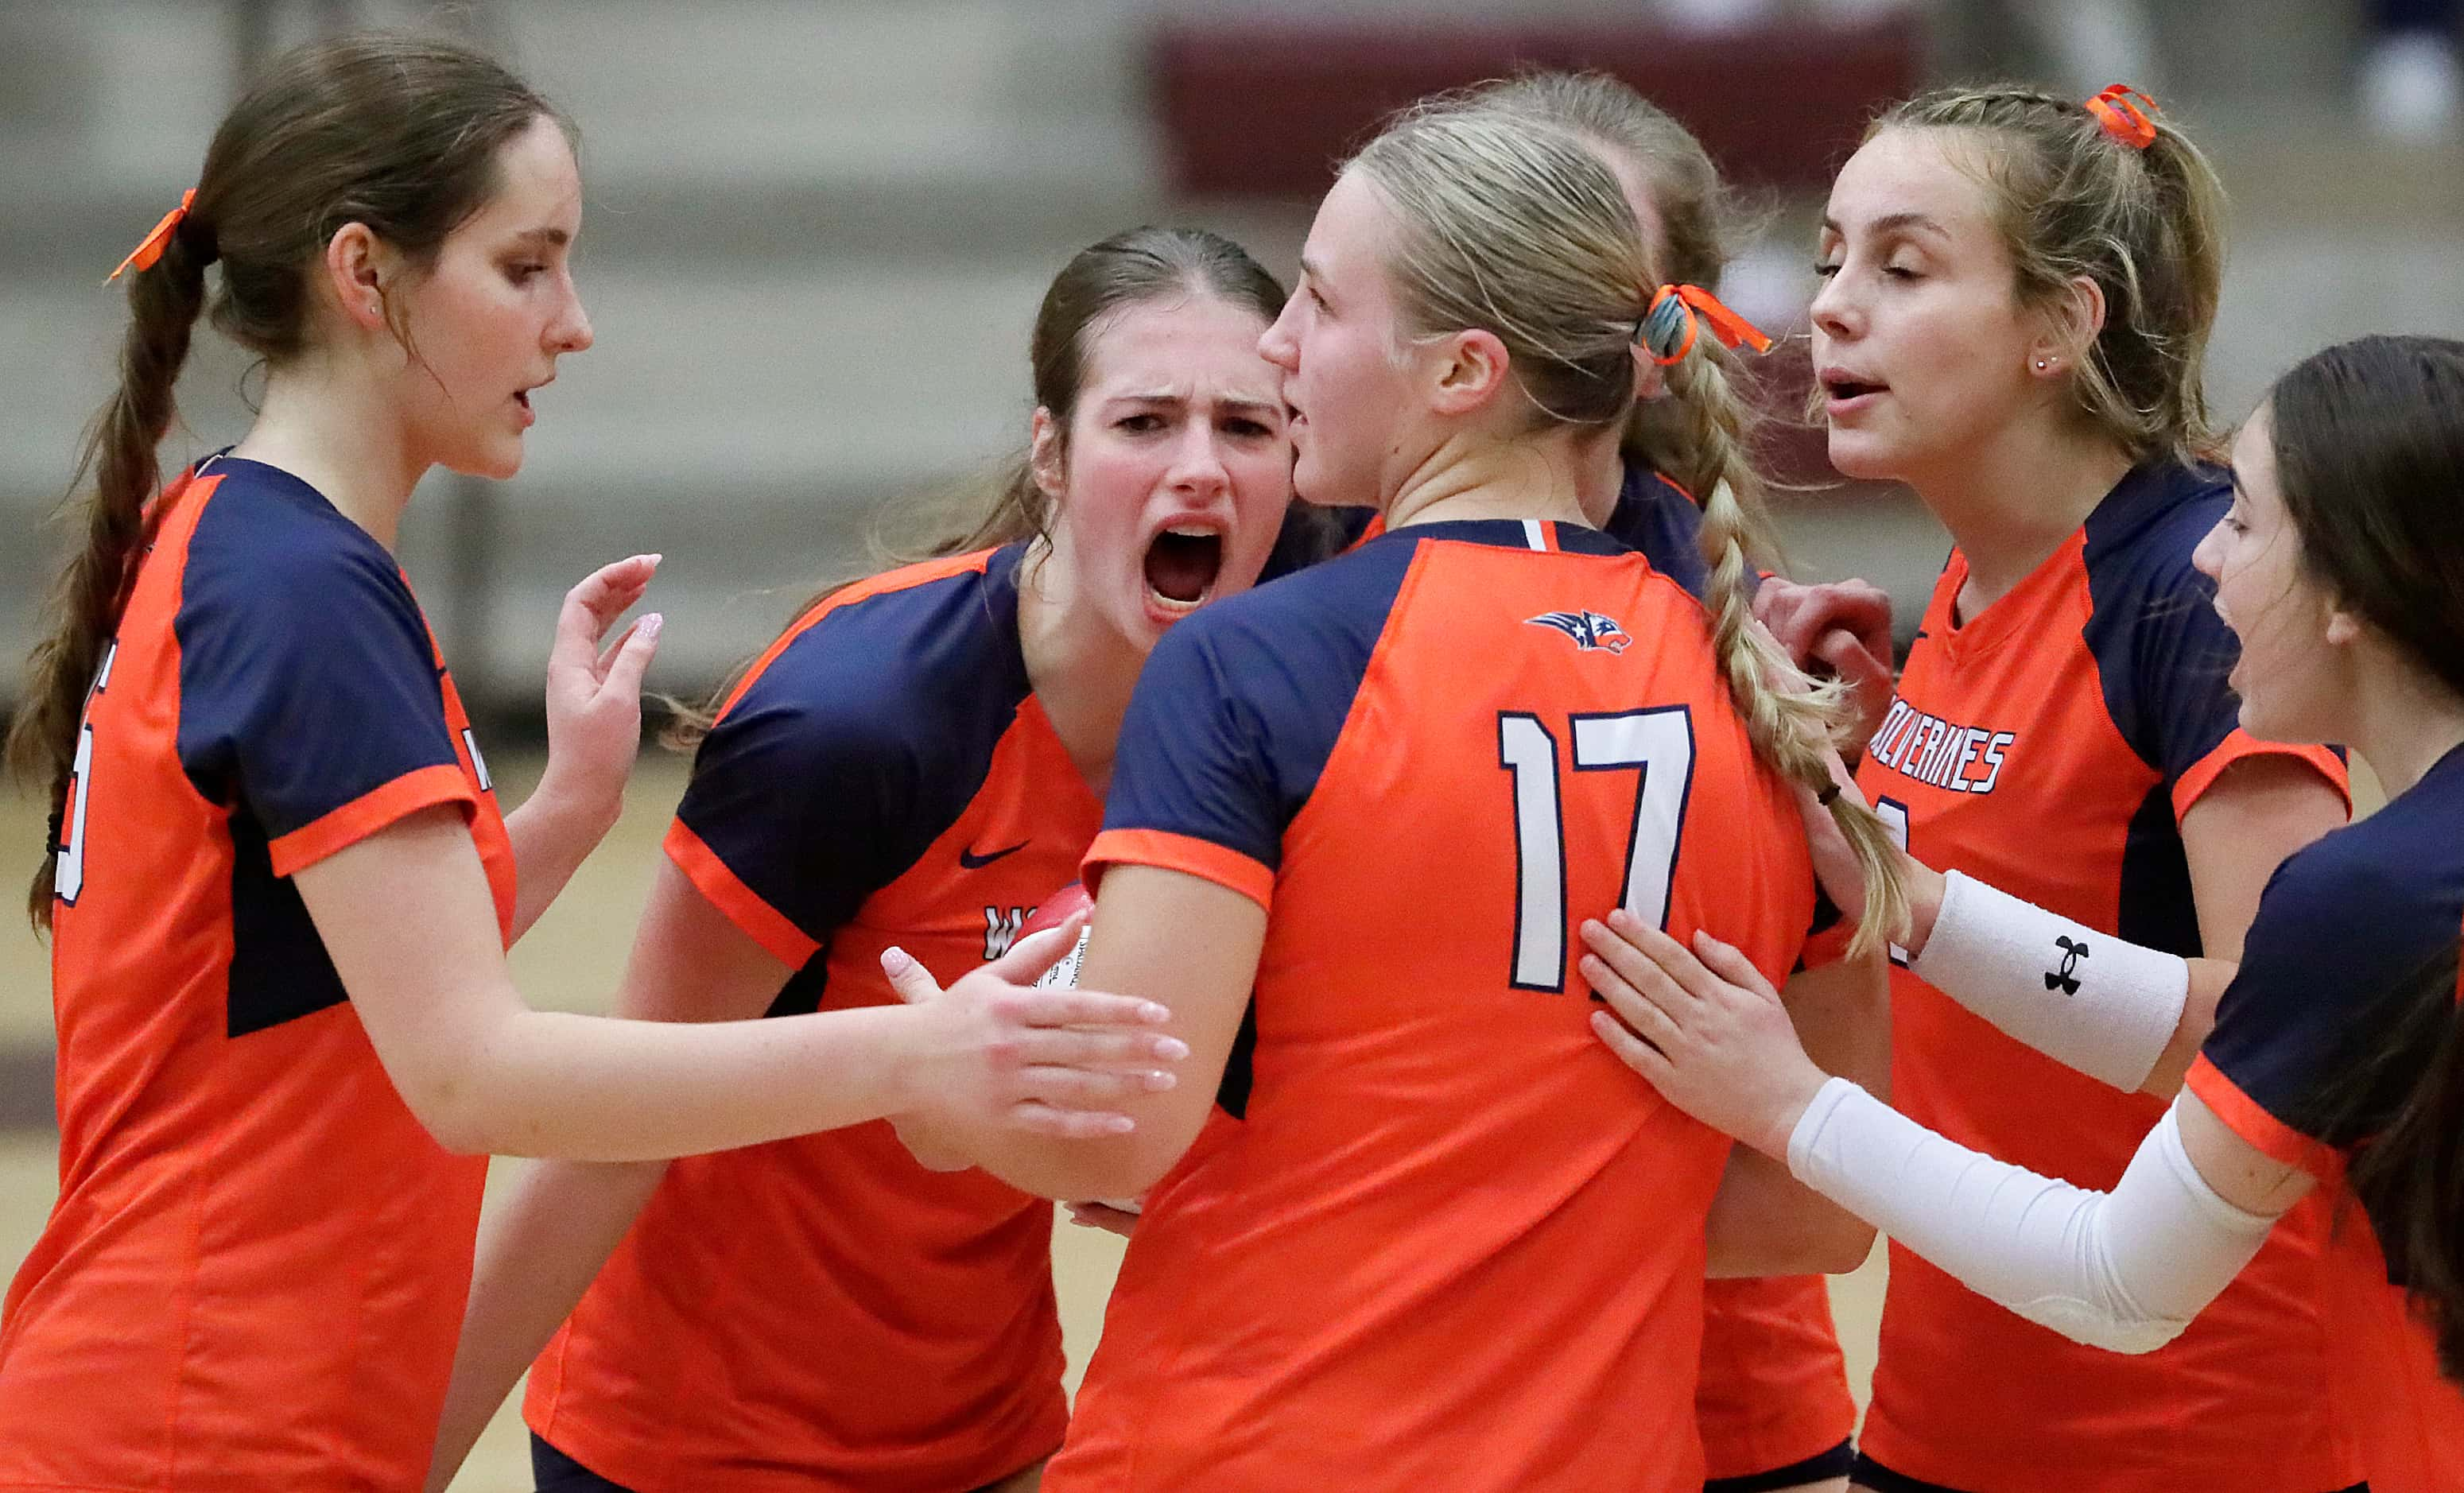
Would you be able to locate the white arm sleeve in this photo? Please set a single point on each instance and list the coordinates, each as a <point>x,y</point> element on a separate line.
<point>2124,1271</point>
<point>2085,999</point>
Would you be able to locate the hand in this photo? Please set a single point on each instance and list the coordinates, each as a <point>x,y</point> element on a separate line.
<point>995,1049</point>
<point>594,697</point>
<point>1842,628</point>
<point>1709,1033</point>
<point>1843,878</point>
<point>1103,1216</point>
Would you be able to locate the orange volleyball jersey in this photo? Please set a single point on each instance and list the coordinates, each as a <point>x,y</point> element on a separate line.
<point>1774,1388</point>
<point>822,1312</point>
<point>2049,746</point>
<point>258,1262</point>
<point>2351,932</point>
<point>1454,1242</point>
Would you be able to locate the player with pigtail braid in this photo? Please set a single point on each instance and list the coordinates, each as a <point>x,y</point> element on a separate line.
<point>1406,1188</point>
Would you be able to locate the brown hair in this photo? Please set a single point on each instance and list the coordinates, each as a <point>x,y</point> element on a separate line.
<point>2369,440</point>
<point>1131,268</point>
<point>1514,224</point>
<point>398,133</point>
<point>2147,226</point>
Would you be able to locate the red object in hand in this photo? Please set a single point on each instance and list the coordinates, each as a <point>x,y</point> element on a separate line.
<point>1052,913</point>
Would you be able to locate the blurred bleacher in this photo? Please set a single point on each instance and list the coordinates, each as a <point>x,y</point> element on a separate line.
<point>817,232</point>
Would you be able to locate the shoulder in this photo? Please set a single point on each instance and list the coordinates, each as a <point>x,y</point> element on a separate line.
<point>266,539</point>
<point>2360,907</point>
<point>909,655</point>
<point>2139,540</point>
<point>1294,612</point>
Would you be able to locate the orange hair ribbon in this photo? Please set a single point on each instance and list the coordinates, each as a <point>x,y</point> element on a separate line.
<point>2124,111</point>
<point>1671,317</point>
<point>149,249</point>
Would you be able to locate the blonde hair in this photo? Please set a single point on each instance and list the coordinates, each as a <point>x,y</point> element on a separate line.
<point>1515,225</point>
<point>2147,226</point>
<point>1700,226</point>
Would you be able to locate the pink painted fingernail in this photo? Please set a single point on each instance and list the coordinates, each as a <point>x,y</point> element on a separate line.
<point>1172,1049</point>
<point>896,961</point>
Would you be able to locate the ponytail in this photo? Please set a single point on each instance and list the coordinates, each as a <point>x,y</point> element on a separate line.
<point>92,590</point>
<point>1792,720</point>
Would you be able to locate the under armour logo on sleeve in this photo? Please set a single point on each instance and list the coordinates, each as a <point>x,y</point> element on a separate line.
<point>2066,979</point>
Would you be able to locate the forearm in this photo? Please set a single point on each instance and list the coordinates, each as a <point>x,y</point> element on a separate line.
<point>592,1089</point>
<point>2119,1012</point>
<point>553,833</point>
<point>2126,1270</point>
<point>537,1256</point>
<point>1070,1171</point>
<point>1764,1221</point>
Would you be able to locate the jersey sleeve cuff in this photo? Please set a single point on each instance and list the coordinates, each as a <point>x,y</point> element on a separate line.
<point>2244,1117</point>
<point>363,816</point>
<point>1203,859</point>
<point>765,925</point>
<point>2237,744</point>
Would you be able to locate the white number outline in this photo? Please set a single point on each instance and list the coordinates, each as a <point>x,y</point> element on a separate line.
<point>1656,744</point>
<point>1894,816</point>
<point>68,867</point>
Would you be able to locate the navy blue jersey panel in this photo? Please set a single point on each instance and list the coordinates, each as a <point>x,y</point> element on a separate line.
<point>862,741</point>
<point>2157,908</point>
<point>1240,705</point>
<point>1310,534</point>
<point>1654,515</point>
<point>2160,648</point>
<point>280,969</point>
<point>307,676</point>
<point>2351,932</point>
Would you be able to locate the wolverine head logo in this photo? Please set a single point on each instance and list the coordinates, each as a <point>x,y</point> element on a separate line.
<point>1589,630</point>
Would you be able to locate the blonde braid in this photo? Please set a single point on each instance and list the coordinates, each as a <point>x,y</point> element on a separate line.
<point>1793,720</point>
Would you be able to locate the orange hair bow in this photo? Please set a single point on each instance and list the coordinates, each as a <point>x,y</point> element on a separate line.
<point>2124,111</point>
<point>1669,324</point>
<point>149,249</point>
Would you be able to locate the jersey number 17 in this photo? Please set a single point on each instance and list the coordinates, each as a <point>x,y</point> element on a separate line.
<point>1656,745</point>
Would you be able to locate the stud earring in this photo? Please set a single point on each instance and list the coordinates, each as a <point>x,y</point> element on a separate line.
<point>2042,365</point>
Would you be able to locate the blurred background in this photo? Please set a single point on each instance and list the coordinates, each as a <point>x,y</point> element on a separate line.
<point>817,231</point>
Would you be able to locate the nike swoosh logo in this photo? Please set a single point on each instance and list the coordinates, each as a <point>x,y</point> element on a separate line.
<point>973,862</point>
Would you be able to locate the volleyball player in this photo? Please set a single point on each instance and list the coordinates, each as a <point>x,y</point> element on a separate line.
<point>916,763</point>
<point>1436,1253</point>
<point>2018,294</point>
<point>2334,1068</point>
<point>278,886</point>
<point>1774,1403</point>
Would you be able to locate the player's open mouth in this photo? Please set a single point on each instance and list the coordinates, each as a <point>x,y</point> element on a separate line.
<point>1841,390</point>
<point>1182,565</point>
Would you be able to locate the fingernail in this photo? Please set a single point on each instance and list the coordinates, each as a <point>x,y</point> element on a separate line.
<point>1159,1080</point>
<point>1120,1125</point>
<point>1152,1012</point>
<point>896,961</point>
<point>654,559</point>
<point>1172,1049</point>
<point>649,625</point>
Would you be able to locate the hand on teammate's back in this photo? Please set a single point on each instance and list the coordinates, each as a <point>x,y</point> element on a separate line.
<point>1708,1031</point>
<point>594,695</point>
<point>1841,627</point>
<point>1001,1051</point>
